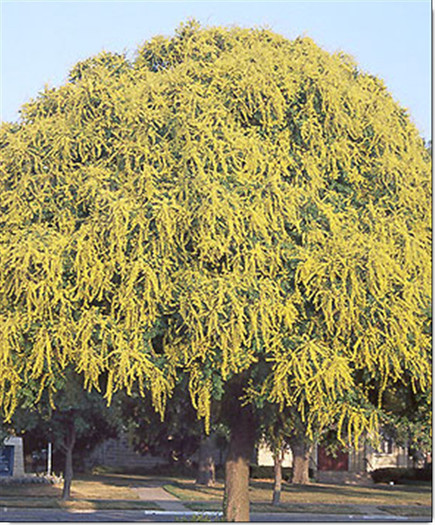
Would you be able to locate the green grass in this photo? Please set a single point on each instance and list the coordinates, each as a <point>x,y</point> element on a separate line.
<point>30,490</point>
<point>312,509</point>
<point>188,491</point>
<point>316,493</point>
<point>411,512</point>
<point>203,505</point>
<point>403,510</point>
<point>284,507</point>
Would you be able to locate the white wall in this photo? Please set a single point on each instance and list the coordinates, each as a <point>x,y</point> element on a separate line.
<point>265,458</point>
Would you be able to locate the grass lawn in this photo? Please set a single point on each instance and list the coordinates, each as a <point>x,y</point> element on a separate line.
<point>105,487</point>
<point>425,512</point>
<point>30,491</point>
<point>87,492</point>
<point>87,487</point>
<point>187,490</point>
<point>261,491</point>
<point>116,491</point>
<point>77,504</point>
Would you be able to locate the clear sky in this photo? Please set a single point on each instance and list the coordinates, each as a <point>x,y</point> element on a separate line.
<point>41,41</point>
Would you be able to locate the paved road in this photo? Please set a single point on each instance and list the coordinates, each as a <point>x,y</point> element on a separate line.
<point>57,515</point>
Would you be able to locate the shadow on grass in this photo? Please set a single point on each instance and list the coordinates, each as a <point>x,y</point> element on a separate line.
<point>127,480</point>
<point>99,504</point>
<point>409,511</point>
<point>30,491</point>
<point>77,504</point>
<point>358,491</point>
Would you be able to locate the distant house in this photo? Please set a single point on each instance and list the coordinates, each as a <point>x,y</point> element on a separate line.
<point>351,466</point>
<point>356,464</point>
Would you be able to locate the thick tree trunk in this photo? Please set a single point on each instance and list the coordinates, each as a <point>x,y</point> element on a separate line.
<point>242,440</point>
<point>206,466</point>
<point>68,474</point>
<point>277,470</point>
<point>301,461</point>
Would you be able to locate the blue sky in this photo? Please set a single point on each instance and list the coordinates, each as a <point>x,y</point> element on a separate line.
<point>41,41</point>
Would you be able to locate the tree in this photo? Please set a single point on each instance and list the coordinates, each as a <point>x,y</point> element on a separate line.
<point>178,437</point>
<point>274,432</point>
<point>301,444</point>
<point>249,211</point>
<point>175,439</point>
<point>408,420</point>
<point>283,430</point>
<point>74,421</point>
<point>206,462</point>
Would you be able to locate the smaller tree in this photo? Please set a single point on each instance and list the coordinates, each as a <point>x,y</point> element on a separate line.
<point>206,474</point>
<point>283,430</point>
<point>408,420</point>
<point>72,419</point>
<point>274,428</point>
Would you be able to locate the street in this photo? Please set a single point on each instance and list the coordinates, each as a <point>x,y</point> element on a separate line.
<point>57,515</point>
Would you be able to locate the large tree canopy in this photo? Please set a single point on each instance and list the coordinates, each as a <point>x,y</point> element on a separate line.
<point>228,204</point>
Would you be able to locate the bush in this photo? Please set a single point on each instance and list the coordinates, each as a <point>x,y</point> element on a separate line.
<point>266,472</point>
<point>31,479</point>
<point>401,475</point>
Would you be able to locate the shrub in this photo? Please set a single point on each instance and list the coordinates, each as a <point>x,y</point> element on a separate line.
<point>266,472</point>
<point>401,475</point>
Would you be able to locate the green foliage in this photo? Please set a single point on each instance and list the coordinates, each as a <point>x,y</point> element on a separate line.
<point>86,412</point>
<point>407,418</point>
<point>267,472</point>
<point>176,438</point>
<point>201,517</point>
<point>228,204</point>
<point>401,475</point>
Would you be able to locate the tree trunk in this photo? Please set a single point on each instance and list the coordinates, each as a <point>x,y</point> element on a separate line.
<point>241,447</point>
<point>301,461</point>
<point>68,474</point>
<point>206,466</point>
<point>277,470</point>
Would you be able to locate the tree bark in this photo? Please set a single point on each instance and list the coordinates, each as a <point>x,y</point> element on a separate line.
<point>277,470</point>
<point>68,474</point>
<point>301,461</point>
<point>241,447</point>
<point>206,466</point>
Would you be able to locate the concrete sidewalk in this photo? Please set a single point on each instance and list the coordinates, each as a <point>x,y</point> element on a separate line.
<point>157,494</point>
